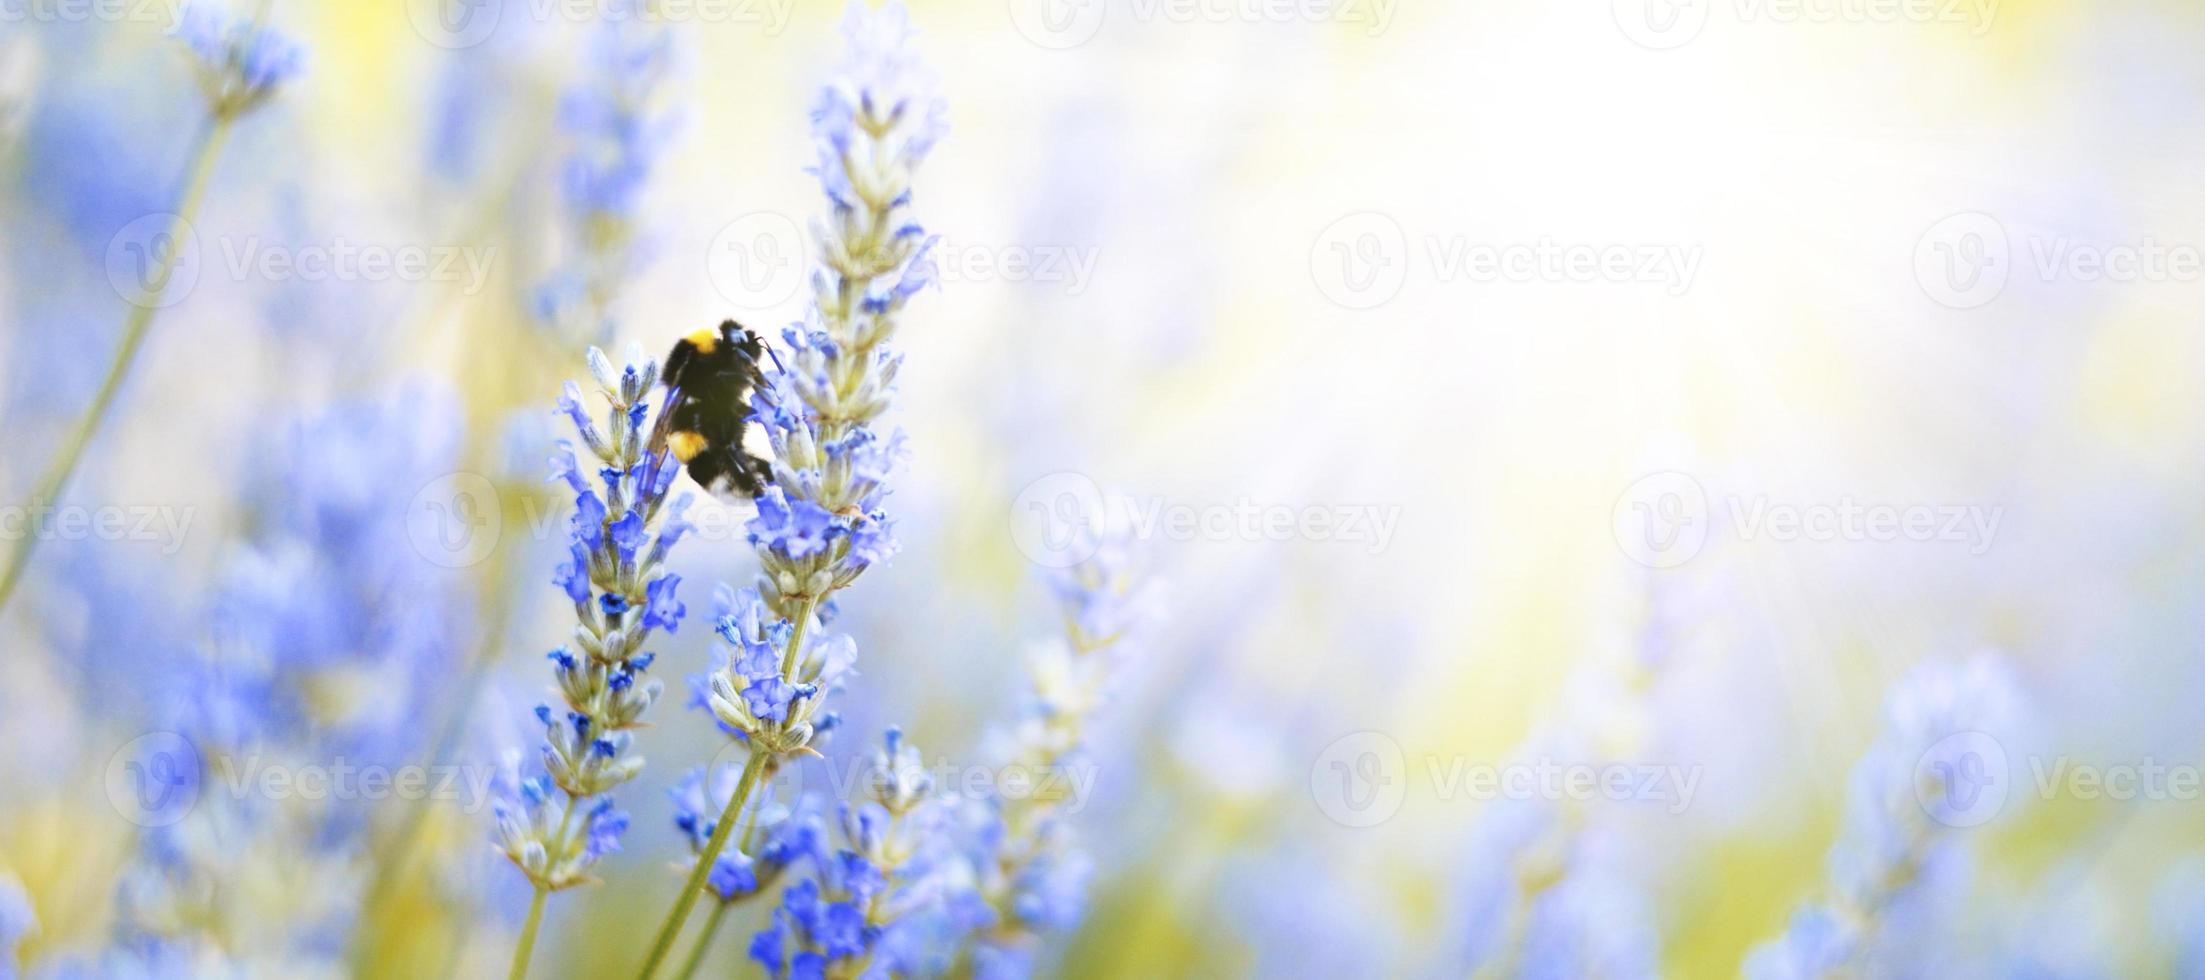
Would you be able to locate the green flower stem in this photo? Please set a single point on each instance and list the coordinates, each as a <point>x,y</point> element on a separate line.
<point>527,945</point>
<point>528,935</point>
<point>705,859</point>
<point>712,848</point>
<point>704,942</point>
<point>712,925</point>
<point>796,640</point>
<point>135,325</point>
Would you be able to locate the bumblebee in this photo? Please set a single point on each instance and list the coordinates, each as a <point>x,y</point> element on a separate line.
<point>709,378</point>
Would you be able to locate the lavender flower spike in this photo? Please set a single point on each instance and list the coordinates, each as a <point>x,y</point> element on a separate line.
<point>618,121</point>
<point>1896,874</point>
<point>615,575</point>
<point>240,63</point>
<point>820,522</point>
<point>821,525</point>
<point>868,907</point>
<point>1029,871</point>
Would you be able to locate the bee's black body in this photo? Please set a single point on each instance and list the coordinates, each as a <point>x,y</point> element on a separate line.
<point>710,376</point>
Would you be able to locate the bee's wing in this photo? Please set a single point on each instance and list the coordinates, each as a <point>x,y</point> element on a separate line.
<point>664,427</point>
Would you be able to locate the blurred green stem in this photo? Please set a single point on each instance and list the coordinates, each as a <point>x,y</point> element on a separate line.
<point>398,850</point>
<point>527,945</point>
<point>704,942</point>
<point>140,319</point>
<point>528,935</point>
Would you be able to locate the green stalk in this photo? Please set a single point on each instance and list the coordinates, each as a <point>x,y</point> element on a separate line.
<point>712,925</point>
<point>135,326</point>
<point>704,942</point>
<point>528,935</point>
<point>712,848</point>
<point>796,640</point>
<point>705,860</point>
<point>527,945</point>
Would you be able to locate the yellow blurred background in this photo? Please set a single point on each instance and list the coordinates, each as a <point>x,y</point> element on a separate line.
<point>1259,231</point>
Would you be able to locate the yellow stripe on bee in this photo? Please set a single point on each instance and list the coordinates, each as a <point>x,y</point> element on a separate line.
<point>704,341</point>
<point>686,445</point>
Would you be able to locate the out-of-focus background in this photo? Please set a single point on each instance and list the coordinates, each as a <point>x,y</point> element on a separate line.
<point>1594,460</point>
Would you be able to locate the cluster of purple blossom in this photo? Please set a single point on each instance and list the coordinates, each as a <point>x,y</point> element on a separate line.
<point>621,533</point>
<point>618,125</point>
<point>904,883</point>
